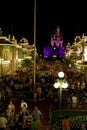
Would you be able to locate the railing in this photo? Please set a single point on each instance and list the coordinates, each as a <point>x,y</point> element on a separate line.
<point>76,117</point>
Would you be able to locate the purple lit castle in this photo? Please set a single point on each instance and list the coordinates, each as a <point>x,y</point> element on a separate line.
<point>55,49</point>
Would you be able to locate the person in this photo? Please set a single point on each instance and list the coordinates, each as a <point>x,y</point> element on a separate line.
<point>83,126</point>
<point>39,92</point>
<point>35,93</point>
<point>28,120</point>
<point>34,124</point>
<point>83,85</point>
<point>66,123</point>
<point>3,122</point>
<point>36,114</point>
<point>23,105</point>
<point>11,110</point>
<point>20,120</point>
<point>74,99</point>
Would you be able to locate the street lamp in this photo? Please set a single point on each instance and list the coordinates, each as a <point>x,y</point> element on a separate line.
<point>61,83</point>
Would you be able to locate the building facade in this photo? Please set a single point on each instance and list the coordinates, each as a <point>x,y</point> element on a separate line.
<point>12,53</point>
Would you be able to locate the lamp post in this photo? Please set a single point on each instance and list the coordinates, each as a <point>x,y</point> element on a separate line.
<point>60,83</point>
<point>34,42</point>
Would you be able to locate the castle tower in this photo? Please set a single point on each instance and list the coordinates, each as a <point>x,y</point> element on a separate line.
<point>55,49</point>
<point>56,38</point>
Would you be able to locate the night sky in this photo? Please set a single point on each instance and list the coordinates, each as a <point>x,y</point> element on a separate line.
<point>18,18</point>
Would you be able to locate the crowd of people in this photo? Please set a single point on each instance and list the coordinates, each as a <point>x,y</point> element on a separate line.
<point>21,84</point>
<point>24,119</point>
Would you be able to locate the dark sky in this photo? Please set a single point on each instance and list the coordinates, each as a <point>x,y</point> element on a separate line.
<point>17,17</point>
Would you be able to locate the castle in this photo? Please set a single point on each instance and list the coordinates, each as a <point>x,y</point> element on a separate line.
<point>56,48</point>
